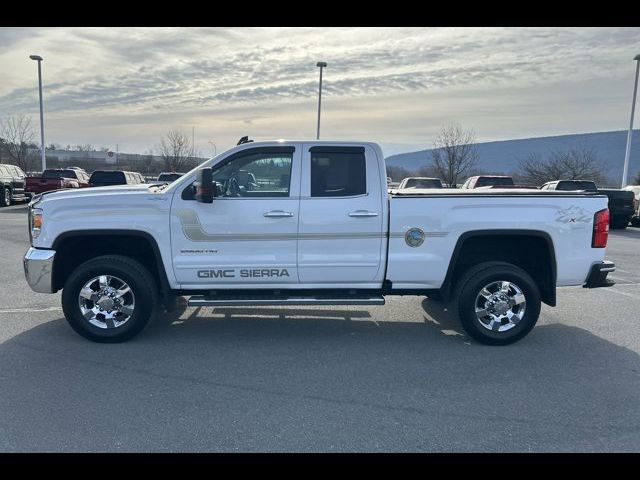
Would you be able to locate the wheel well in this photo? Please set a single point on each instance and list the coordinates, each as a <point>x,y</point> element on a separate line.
<point>533,252</point>
<point>75,249</point>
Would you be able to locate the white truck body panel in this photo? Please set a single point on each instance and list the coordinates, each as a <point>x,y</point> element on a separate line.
<point>320,244</point>
<point>445,216</point>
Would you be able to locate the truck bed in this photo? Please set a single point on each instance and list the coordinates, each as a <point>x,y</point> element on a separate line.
<point>565,218</point>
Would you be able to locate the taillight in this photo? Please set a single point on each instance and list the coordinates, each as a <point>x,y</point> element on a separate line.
<point>600,229</point>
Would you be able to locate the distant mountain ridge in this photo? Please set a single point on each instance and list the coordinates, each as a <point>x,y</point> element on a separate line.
<point>505,156</point>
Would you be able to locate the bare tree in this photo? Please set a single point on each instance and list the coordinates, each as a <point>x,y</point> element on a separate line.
<point>175,149</point>
<point>579,163</point>
<point>454,153</point>
<point>398,173</point>
<point>19,135</point>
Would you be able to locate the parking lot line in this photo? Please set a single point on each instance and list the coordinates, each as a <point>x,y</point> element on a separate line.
<point>28,310</point>
<point>626,294</point>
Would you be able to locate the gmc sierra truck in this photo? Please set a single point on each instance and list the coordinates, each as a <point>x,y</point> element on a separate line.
<point>310,223</point>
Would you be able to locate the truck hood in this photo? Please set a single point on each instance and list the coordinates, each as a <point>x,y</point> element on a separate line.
<point>93,192</point>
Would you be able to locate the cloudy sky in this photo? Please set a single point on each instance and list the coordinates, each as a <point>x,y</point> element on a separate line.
<point>395,86</point>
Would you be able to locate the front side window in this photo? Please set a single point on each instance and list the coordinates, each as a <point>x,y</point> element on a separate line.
<point>260,174</point>
<point>338,173</point>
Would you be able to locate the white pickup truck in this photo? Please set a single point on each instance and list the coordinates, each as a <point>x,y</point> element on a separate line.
<point>298,223</point>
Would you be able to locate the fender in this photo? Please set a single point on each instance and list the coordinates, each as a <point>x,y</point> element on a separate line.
<point>162,274</point>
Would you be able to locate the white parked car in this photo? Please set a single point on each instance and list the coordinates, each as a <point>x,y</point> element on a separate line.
<point>316,227</point>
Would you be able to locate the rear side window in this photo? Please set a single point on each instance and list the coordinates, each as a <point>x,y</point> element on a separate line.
<point>339,172</point>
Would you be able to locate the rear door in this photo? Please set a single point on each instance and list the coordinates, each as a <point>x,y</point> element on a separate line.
<point>340,233</point>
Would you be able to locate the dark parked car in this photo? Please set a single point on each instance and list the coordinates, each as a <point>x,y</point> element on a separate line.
<point>105,178</point>
<point>169,176</point>
<point>12,180</point>
<point>621,202</point>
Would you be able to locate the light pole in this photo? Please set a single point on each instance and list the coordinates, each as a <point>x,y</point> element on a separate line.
<point>38,58</point>
<point>321,65</point>
<point>625,170</point>
<point>215,150</point>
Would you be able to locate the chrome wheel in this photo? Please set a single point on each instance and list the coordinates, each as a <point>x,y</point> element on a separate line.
<point>500,306</point>
<point>106,301</point>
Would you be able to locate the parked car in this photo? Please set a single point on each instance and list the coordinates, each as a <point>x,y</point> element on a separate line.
<point>12,181</point>
<point>421,182</point>
<point>105,178</point>
<point>57,179</point>
<point>635,220</point>
<point>621,202</point>
<point>498,181</point>
<point>169,176</point>
<point>326,232</point>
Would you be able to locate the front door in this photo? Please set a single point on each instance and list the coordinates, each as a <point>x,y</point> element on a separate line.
<point>248,236</point>
<point>341,237</point>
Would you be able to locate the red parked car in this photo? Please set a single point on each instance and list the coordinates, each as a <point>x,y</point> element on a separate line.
<point>56,179</point>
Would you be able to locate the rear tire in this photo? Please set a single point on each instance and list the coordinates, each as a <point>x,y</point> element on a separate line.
<point>619,224</point>
<point>83,295</point>
<point>493,316</point>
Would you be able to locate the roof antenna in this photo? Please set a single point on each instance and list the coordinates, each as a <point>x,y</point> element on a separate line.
<point>244,139</point>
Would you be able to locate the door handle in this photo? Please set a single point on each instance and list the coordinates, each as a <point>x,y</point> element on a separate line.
<point>363,213</point>
<point>277,214</point>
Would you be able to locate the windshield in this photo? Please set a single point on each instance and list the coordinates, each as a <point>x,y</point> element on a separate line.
<point>423,183</point>
<point>494,181</point>
<point>576,185</point>
<point>55,174</point>
<point>107,177</point>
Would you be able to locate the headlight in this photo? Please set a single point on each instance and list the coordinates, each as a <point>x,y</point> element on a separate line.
<point>35,222</point>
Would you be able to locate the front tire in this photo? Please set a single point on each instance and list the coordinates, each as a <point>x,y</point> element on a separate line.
<point>5,197</point>
<point>109,299</point>
<point>498,303</point>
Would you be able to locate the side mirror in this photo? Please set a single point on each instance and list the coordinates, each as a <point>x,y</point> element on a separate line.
<point>205,186</point>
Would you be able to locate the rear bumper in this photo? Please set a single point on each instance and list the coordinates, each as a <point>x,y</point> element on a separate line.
<point>38,269</point>
<point>598,275</point>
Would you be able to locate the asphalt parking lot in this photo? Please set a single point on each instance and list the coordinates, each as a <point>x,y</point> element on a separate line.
<point>402,377</point>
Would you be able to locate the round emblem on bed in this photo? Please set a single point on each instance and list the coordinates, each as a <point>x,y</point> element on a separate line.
<point>414,237</point>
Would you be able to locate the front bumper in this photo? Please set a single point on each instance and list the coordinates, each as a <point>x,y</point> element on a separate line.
<point>598,275</point>
<point>38,269</point>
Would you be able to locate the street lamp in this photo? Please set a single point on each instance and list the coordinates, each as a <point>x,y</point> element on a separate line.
<point>38,58</point>
<point>625,170</point>
<point>321,65</point>
<point>215,150</point>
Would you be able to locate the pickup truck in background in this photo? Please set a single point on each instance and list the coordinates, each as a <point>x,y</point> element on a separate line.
<point>106,178</point>
<point>316,227</point>
<point>420,182</point>
<point>621,202</point>
<point>12,180</point>
<point>488,181</point>
<point>56,179</point>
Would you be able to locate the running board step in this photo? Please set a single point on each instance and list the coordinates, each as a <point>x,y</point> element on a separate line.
<point>251,300</point>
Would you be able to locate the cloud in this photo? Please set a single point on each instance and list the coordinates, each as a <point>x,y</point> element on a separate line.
<point>188,72</point>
